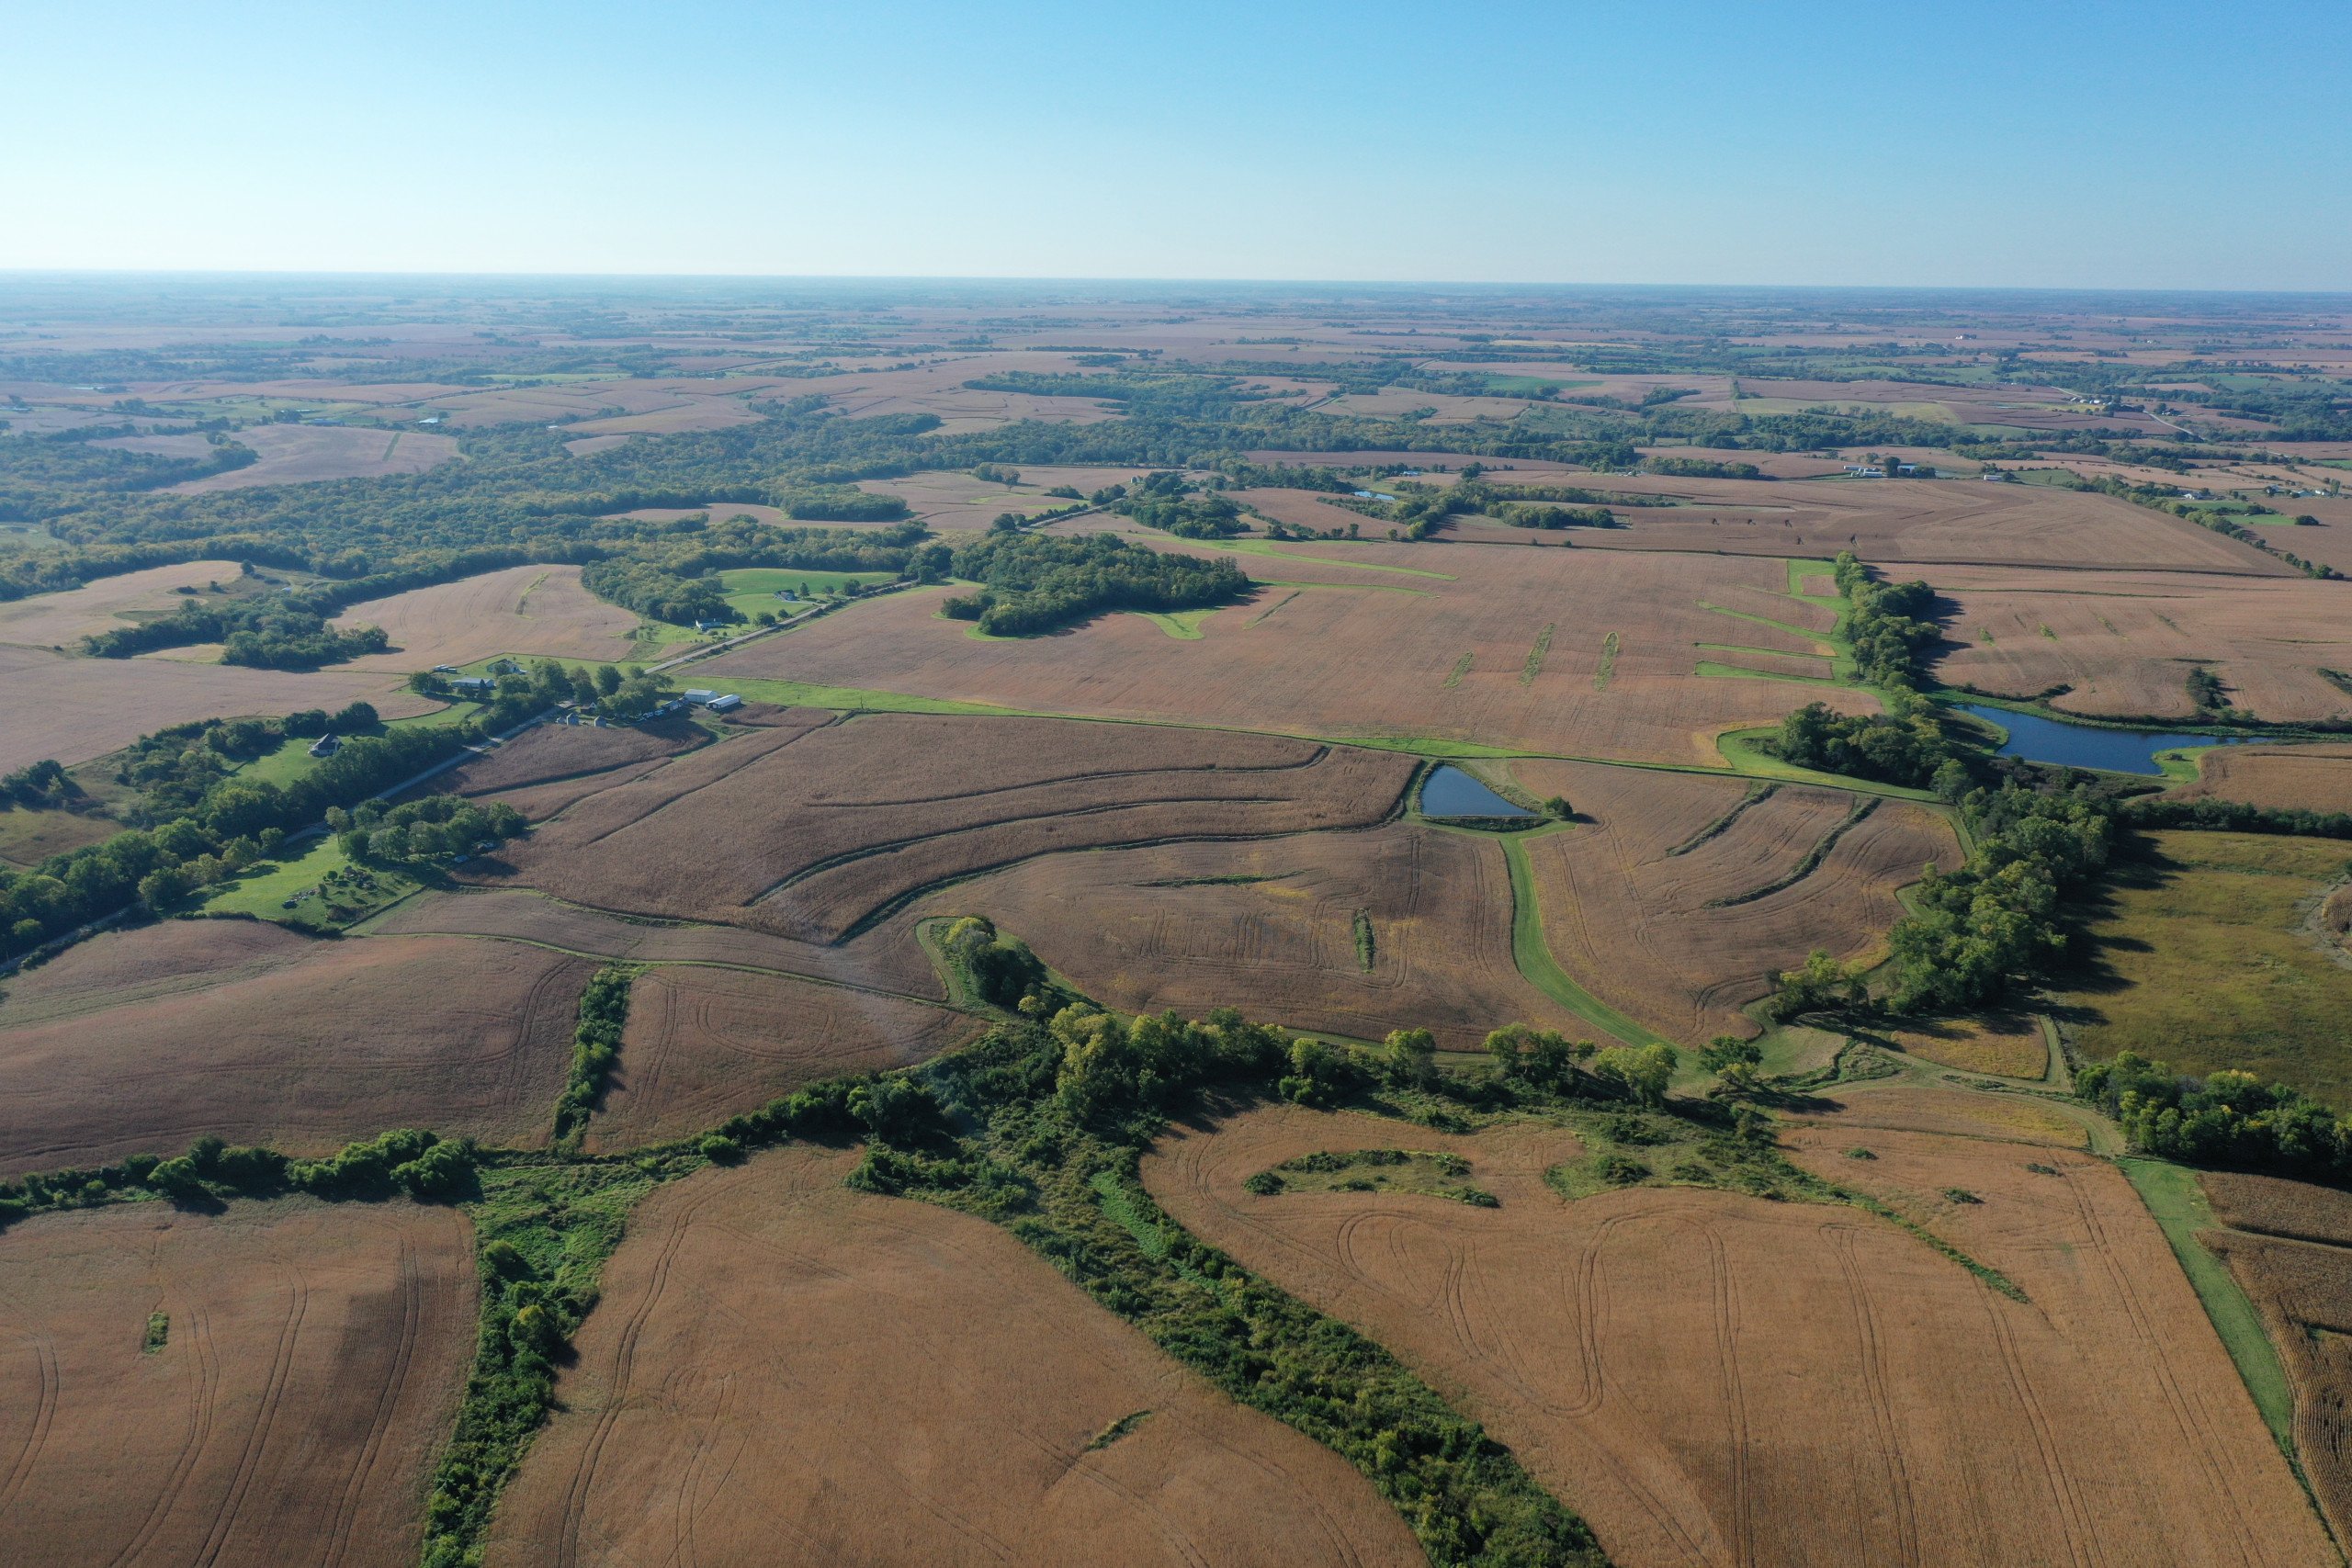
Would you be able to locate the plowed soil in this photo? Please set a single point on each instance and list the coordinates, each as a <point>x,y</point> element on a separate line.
<point>535,611</point>
<point>1375,647</point>
<point>559,753</point>
<point>1270,927</point>
<point>704,1043</point>
<point>2123,643</point>
<point>1631,921</point>
<point>298,1045</point>
<point>291,453</point>
<point>309,1370</point>
<point>815,836</point>
<point>786,1371</point>
<point>1715,1379</point>
<point>2284,778</point>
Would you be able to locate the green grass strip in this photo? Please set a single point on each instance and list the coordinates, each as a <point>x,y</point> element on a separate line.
<point>1365,949</point>
<point>1536,965</point>
<point>1814,637</point>
<point>801,693</point>
<point>1460,668</point>
<point>1608,647</point>
<point>1183,625</point>
<point>1534,665</point>
<point>1266,547</point>
<point>2179,1205</point>
<point>1709,668</point>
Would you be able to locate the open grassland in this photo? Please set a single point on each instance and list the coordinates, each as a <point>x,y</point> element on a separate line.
<point>1367,641</point>
<point>1904,1105</point>
<point>1349,933</point>
<point>29,835</point>
<point>893,1383</point>
<point>63,619</point>
<point>704,1043</point>
<point>324,889</point>
<point>1905,524</point>
<point>266,1384</point>
<point>2280,778</point>
<point>1678,896</point>
<point>532,611</point>
<point>145,1040</point>
<point>2008,1047</point>
<point>751,588</point>
<point>2208,952</point>
<point>1709,1378</point>
<point>815,834</point>
<point>2122,644</point>
<point>75,709</point>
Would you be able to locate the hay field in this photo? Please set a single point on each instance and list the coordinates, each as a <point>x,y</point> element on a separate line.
<point>1711,1379</point>
<point>145,1040</point>
<point>1631,918</point>
<point>2123,643</point>
<point>1272,927</point>
<point>292,454</point>
<point>787,1372</point>
<point>2304,1294</point>
<point>533,611</point>
<point>311,1364</point>
<point>2316,778</point>
<point>1368,640</point>
<point>75,709</point>
<point>1906,523</point>
<point>63,620</point>
<point>815,834</point>
<point>2008,1047</point>
<point>2210,953</point>
<point>704,1043</point>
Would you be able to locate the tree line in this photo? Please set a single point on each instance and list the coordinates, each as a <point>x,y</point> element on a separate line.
<point>1037,582</point>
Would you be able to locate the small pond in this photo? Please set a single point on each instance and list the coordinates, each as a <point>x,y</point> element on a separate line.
<point>2039,739</point>
<point>1452,793</point>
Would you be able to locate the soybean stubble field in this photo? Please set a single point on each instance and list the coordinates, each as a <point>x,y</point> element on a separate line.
<point>808,924</point>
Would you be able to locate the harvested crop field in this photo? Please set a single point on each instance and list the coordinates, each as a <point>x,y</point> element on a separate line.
<point>888,959</point>
<point>63,620</point>
<point>704,1043</point>
<point>309,1368</point>
<point>533,611</point>
<point>784,1370</point>
<point>1370,640</point>
<point>2281,778</point>
<point>2304,1294</point>
<point>2212,951</point>
<point>1659,902</point>
<point>815,834</point>
<point>568,753</point>
<point>1906,523</point>
<point>1279,929</point>
<point>75,709</point>
<point>2122,644</point>
<point>291,453</point>
<point>271,1038</point>
<point>1711,1379</point>
<point>2300,1211</point>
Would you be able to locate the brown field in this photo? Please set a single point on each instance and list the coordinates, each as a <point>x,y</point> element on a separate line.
<point>63,620</point>
<point>145,1040</point>
<point>888,959</point>
<point>1628,919</point>
<point>1903,523</point>
<point>566,753</point>
<point>291,453</point>
<point>786,1371</point>
<point>2123,643</point>
<point>1897,1105</point>
<point>535,611</point>
<point>2314,778</point>
<point>1270,928</point>
<point>2008,1047</point>
<point>2304,1293</point>
<point>704,1043</point>
<point>1710,1379</point>
<point>310,1371</point>
<point>2300,1211</point>
<point>814,834</point>
<point>1330,648</point>
<point>75,709</point>
<point>956,501</point>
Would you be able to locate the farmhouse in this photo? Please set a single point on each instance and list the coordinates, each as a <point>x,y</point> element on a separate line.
<point>473,686</point>
<point>325,745</point>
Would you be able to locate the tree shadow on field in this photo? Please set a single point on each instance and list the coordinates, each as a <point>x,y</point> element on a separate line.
<point>2086,968</point>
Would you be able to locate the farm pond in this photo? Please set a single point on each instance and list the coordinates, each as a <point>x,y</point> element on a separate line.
<point>2039,739</point>
<point>1450,792</point>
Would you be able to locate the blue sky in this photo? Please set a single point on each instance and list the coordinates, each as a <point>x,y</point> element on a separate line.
<point>2058,143</point>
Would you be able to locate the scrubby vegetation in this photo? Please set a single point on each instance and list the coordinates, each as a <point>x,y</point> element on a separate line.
<point>1170,502</point>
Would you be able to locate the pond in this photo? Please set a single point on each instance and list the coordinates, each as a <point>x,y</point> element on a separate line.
<point>2039,739</point>
<point>1452,793</point>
